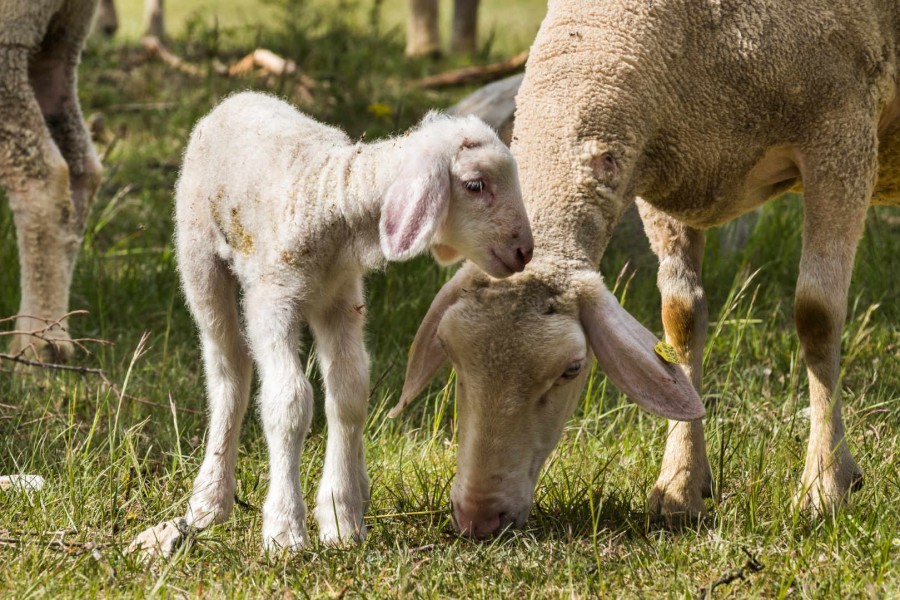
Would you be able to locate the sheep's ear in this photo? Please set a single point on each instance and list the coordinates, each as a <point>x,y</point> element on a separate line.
<point>426,355</point>
<point>625,351</point>
<point>415,205</point>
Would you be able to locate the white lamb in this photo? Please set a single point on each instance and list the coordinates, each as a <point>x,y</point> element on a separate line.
<point>294,214</point>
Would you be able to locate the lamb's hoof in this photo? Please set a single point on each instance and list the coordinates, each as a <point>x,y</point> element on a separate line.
<point>160,541</point>
<point>284,537</point>
<point>332,533</point>
<point>679,501</point>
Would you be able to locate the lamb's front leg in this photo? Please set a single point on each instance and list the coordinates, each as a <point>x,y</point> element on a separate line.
<point>685,478</point>
<point>286,405</point>
<point>344,490</point>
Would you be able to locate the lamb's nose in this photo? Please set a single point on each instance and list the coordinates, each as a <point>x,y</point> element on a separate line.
<point>523,256</point>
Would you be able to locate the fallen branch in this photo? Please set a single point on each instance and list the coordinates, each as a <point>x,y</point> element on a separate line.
<point>476,74</point>
<point>41,334</point>
<point>263,59</point>
<point>155,47</point>
<point>751,566</point>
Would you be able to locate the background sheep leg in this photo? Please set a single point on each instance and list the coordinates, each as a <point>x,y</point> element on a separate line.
<point>210,290</point>
<point>286,405</point>
<point>465,26</point>
<point>423,36</point>
<point>835,209</point>
<point>685,477</point>
<point>344,490</point>
<point>51,172</point>
<point>153,19</point>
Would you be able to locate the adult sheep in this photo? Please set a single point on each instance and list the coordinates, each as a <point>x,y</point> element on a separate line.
<point>705,109</point>
<point>48,165</point>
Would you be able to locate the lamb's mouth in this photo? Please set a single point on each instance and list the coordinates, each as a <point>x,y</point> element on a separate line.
<point>510,270</point>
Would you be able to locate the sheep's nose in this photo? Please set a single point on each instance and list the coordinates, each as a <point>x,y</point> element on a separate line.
<point>478,524</point>
<point>524,254</point>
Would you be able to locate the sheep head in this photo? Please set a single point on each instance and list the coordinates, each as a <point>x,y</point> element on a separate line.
<point>522,348</point>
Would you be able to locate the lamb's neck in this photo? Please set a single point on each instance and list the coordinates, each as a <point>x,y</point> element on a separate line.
<point>362,175</point>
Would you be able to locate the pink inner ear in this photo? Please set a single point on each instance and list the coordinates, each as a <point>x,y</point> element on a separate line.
<point>624,349</point>
<point>414,206</point>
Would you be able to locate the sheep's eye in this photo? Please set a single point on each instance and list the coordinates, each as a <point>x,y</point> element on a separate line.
<point>476,186</point>
<point>572,370</point>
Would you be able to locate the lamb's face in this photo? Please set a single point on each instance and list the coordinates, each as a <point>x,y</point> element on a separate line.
<point>519,376</point>
<point>486,219</point>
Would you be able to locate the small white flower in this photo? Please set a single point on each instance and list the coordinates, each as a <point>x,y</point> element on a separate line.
<point>896,541</point>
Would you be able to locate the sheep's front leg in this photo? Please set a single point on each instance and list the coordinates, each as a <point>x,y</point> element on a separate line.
<point>685,478</point>
<point>833,225</point>
<point>344,490</point>
<point>286,405</point>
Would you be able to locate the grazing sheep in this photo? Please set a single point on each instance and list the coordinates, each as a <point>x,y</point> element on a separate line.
<point>705,109</point>
<point>48,165</point>
<point>293,214</point>
<point>154,24</point>
<point>423,36</point>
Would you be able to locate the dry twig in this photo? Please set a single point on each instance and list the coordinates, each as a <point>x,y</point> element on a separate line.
<point>476,74</point>
<point>751,566</point>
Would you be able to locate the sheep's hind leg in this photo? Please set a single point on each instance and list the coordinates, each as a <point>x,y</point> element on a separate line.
<point>835,210</point>
<point>286,405</point>
<point>344,490</point>
<point>685,478</point>
<point>36,178</point>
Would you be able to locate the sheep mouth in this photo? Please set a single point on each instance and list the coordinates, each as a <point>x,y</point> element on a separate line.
<point>509,269</point>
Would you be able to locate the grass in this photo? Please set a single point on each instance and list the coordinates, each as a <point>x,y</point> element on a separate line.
<point>117,466</point>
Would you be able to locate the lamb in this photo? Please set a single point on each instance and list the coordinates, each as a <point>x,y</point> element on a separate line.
<point>48,165</point>
<point>704,110</point>
<point>292,213</point>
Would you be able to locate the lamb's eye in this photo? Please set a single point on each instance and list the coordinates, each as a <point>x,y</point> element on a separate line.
<point>476,186</point>
<point>572,370</point>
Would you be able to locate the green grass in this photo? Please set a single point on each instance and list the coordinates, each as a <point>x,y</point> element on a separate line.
<point>117,466</point>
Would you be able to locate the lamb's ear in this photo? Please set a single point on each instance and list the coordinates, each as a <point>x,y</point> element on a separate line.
<point>426,355</point>
<point>625,351</point>
<point>415,205</point>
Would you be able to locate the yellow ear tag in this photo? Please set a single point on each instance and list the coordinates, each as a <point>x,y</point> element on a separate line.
<point>667,352</point>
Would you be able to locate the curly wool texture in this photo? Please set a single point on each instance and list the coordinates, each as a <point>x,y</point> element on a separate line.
<point>689,96</point>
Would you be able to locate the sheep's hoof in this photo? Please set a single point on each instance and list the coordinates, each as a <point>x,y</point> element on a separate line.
<point>160,541</point>
<point>52,350</point>
<point>679,500</point>
<point>825,491</point>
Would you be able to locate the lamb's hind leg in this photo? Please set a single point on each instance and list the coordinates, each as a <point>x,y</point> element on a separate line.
<point>210,290</point>
<point>685,478</point>
<point>838,185</point>
<point>286,406</point>
<point>344,490</point>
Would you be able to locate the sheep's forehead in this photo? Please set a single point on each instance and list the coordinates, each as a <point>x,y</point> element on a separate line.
<point>502,316</point>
